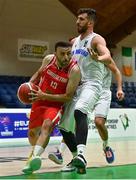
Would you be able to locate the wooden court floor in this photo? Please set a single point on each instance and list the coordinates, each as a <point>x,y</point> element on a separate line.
<point>12,159</point>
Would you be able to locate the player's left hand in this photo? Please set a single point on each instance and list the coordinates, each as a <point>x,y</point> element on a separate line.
<point>120,95</point>
<point>93,54</point>
<point>37,95</point>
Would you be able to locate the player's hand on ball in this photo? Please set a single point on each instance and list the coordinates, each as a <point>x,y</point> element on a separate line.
<point>24,90</point>
<point>37,95</point>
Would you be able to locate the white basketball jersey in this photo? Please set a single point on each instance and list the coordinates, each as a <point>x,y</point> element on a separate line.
<point>91,70</point>
<point>107,78</point>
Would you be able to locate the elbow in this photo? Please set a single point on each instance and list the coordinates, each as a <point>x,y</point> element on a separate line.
<point>108,60</point>
<point>68,98</point>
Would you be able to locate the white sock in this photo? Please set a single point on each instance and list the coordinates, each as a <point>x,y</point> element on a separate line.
<point>81,149</point>
<point>105,143</point>
<point>62,147</point>
<point>38,150</point>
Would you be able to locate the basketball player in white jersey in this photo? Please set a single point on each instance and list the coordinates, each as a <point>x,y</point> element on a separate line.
<point>101,111</point>
<point>92,70</point>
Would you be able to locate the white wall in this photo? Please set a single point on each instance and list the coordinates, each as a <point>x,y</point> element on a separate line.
<point>9,64</point>
<point>45,20</point>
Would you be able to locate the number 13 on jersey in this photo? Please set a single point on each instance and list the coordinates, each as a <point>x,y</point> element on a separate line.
<point>54,84</point>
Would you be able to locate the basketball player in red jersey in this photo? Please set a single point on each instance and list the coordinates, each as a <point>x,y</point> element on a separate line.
<point>57,78</point>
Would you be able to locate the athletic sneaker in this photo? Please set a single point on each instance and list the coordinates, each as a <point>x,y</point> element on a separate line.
<point>56,157</point>
<point>27,169</point>
<point>109,154</point>
<point>80,163</point>
<point>81,170</point>
<point>69,167</point>
<point>33,164</point>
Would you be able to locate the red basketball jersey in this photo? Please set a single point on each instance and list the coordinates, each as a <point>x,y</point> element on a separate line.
<point>54,80</point>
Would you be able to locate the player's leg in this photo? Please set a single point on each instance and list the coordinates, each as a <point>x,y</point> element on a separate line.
<point>35,124</point>
<point>85,103</point>
<point>70,141</point>
<point>51,116</point>
<point>33,135</point>
<point>101,112</point>
<point>81,138</point>
<point>103,132</point>
<point>57,156</point>
<point>41,143</point>
<point>102,129</point>
<point>47,118</point>
<point>66,123</point>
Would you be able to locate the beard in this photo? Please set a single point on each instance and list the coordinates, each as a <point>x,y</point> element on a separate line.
<point>81,29</point>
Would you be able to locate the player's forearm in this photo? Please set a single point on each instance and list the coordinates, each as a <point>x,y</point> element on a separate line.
<point>35,78</point>
<point>106,58</point>
<point>118,78</point>
<point>57,97</point>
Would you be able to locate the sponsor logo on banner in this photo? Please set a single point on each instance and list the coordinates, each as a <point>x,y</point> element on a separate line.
<point>32,50</point>
<point>125,120</point>
<point>15,125</point>
<point>5,126</point>
<point>120,123</point>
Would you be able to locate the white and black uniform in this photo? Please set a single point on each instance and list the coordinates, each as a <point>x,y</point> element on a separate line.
<point>88,92</point>
<point>92,74</point>
<point>101,109</point>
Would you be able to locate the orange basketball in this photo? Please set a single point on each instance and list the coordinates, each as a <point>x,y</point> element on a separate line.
<point>23,91</point>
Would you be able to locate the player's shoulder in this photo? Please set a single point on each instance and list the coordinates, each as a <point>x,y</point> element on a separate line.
<point>75,68</point>
<point>97,37</point>
<point>72,40</point>
<point>47,59</point>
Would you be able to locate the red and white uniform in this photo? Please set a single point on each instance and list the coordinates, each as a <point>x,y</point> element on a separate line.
<point>53,81</point>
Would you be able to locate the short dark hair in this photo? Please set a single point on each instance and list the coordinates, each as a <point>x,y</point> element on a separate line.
<point>62,44</point>
<point>90,12</point>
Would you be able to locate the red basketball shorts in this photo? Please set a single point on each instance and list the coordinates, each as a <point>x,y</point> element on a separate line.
<point>42,113</point>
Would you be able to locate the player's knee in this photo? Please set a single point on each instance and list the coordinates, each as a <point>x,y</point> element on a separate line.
<point>31,133</point>
<point>47,125</point>
<point>99,122</point>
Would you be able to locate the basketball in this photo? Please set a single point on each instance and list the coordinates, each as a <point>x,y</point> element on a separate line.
<point>23,91</point>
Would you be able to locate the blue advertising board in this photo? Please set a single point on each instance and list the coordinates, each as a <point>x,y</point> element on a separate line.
<point>15,125</point>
